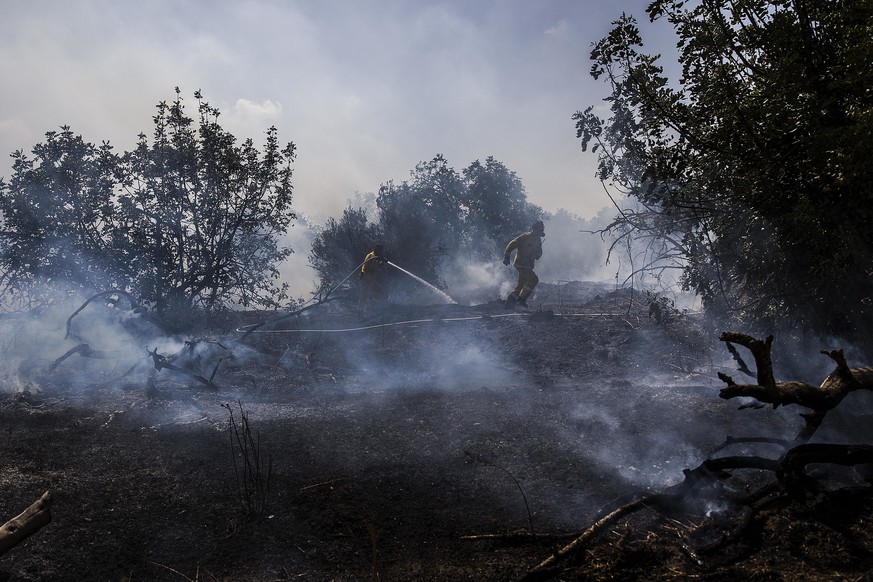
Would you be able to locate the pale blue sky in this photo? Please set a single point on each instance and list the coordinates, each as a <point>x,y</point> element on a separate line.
<point>365,88</point>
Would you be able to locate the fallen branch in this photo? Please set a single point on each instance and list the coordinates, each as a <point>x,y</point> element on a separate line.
<point>163,363</point>
<point>134,306</point>
<point>792,470</point>
<point>828,395</point>
<point>742,367</point>
<point>819,399</point>
<point>789,469</point>
<point>546,568</point>
<point>83,350</point>
<point>27,523</point>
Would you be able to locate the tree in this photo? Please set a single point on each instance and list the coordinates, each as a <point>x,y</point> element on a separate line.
<point>341,245</point>
<point>757,162</point>
<point>496,207</point>
<point>57,210</point>
<point>435,216</point>
<point>420,219</point>
<point>190,219</point>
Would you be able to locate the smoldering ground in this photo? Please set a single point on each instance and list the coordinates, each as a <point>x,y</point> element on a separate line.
<point>468,420</point>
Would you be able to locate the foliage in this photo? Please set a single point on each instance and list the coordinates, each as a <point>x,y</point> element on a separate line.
<point>755,166</point>
<point>341,245</point>
<point>190,219</point>
<point>662,309</point>
<point>57,210</point>
<point>436,215</point>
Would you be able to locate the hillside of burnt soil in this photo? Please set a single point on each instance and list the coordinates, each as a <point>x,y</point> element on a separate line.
<point>411,443</point>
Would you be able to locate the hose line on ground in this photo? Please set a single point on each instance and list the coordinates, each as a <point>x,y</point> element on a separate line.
<point>433,320</point>
<point>300,309</point>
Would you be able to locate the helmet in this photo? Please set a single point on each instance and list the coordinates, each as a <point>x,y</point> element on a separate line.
<point>538,228</point>
<point>378,249</point>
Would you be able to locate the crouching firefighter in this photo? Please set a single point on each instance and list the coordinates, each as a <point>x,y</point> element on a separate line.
<point>528,247</point>
<point>371,290</point>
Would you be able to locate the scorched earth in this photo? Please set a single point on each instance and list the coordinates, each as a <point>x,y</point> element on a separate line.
<point>422,443</point>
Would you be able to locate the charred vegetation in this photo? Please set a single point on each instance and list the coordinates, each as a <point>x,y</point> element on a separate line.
<point>429,442</point>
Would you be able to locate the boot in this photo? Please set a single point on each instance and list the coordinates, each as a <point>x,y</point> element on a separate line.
<point>522,302</point>
<point>510,302</point>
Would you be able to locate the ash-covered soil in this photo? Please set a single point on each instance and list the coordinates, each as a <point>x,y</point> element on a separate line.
<point>416,443</point>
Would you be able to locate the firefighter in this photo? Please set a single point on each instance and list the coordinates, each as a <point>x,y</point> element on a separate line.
<point>528,247</point>
<point>371,289</point>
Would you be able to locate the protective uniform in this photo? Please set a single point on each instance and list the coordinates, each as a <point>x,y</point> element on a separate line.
<point>529,248</point>
<point>371,289</point>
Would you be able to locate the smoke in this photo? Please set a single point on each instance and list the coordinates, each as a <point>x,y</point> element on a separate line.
<point>472,282</point>
<point>573,250</point>
<point>295,270</point>
<point>116,340</point>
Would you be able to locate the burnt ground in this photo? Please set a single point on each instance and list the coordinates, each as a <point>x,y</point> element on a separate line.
<point>389,448</point>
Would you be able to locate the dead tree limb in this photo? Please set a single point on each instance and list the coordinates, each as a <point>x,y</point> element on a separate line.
<point>742,367</point>
<point>134,306</point>
<point>162,363</point>
<point>819,399</point>
<point>792,469</point>
<point>27,523</point>
<point>789,468</point>
<point>546,569</point>
<point>760,351</point>
<point>83,350</point>
<point>829,394</point>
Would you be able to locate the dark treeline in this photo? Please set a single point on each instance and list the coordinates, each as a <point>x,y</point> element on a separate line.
<point>428,221</point>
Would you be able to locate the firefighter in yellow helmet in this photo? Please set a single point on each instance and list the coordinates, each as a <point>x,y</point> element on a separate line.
<point>528,247</point>
<point>371,289</point>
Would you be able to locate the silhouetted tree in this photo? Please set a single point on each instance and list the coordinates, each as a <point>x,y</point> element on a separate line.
<point>57,210</point>
<point>757,162</point>
<point>495,207</point>
<point>190,219</point>
<point>341,245</point>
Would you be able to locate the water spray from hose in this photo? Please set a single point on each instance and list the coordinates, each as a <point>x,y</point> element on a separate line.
<point>435,289</point>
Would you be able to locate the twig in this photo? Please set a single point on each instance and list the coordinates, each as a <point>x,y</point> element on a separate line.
<point>173,570</point>
<point>519,536</point>
<point>470,456</point>
<point>323,483</point>
<point>161,362</point>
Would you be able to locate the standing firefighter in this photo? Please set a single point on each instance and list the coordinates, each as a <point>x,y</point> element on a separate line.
<point>528,248</point>
<point>371,290</point>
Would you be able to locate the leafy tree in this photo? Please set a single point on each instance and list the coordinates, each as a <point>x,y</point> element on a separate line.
<point>207,211</point>
<point>341,245</point>
<point>57,210</point>
<point>496,207</point>
<point>437,215</point>
<point>756,164</point>
<point>190,219</point>
<point>420,219</point>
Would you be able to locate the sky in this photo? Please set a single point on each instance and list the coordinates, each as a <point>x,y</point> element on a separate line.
<point>366,89</point>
